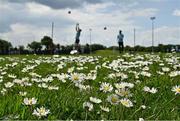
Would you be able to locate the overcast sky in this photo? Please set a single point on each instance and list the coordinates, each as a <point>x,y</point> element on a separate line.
<point>23,21</point>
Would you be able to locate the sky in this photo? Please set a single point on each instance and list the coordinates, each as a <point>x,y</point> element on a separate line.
<point>24,21</point>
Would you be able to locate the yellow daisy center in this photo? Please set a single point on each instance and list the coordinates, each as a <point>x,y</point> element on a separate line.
<point>125,93</point>
<point>30,102</point>
<point>75,77</point>
<point>42,111</point>
<point>125,103</point>
<point>178,90</point>
<point>106,88</point>
<point>114,99</point>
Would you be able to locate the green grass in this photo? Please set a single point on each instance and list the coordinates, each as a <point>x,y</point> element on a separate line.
<point>106,52</point>
<point>67,102</point>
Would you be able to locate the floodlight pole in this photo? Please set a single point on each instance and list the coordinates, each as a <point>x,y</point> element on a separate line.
<point>134,38</point>
<point>52,34</point>
<point>90,38</point>
<point>153,18</point>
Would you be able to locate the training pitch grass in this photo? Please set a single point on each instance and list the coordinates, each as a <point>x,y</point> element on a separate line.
<point>113,87</point>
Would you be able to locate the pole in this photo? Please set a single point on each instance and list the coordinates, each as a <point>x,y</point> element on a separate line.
<point>152,35</point>
<point>52,34</point>
<point>134,38</point>
<point>153,18</point>
<point>90,38</point>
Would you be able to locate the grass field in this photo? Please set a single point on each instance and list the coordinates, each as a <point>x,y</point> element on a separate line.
<point>105,85</point>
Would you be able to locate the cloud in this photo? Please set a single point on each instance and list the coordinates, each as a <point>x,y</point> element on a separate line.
<point>32,13</point>
<point>59,4</point>
<point>176,12</point>
<point>145,12</point>
<point>23,21</point>
<point>162,35</point>
<point>22,34</point>
<point>36,19</point>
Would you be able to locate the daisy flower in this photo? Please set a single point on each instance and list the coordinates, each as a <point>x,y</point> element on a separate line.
<point>105,109</point>
<point>176,89</point>
<point>95,100</point>
<point>30,101</point>
<point>174,73</point>
<point>3,91</point>
<point>23,93</point>
<point>12,76</point>
<point>143,106</point>
<point>83,87</point>
<point>119,85</point>
<point>147,74</point>
<point>106,87</point>
<point>123,92</point>
<point>124,85</point>
<point>40,112</point>
<point>9,84</point>
<point>53,88</point>
<point>165,69</point>
<point>126,102</point>
<point>141,119</point>
<point>76,78</point>
<point>70,70</point>
<point>152,90</point>
<point>88,105</point>
<point>146,89</point>
<point>113,99</point>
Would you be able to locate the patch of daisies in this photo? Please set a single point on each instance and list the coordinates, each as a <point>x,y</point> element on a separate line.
<point>117,92</point>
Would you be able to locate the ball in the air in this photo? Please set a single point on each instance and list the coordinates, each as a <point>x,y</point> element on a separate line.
<point>105,28</point>
<point>69,12</point>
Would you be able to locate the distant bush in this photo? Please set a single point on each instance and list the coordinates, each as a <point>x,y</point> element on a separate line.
<point>46,46</point>
<point>159,48</point>
<point>95,47</point>
<point>87,49</point>
<point>5,46</point>
<point>66,49</point>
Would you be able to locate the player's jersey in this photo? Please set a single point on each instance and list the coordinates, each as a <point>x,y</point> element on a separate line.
<point>78,34</point>
<point>120,37</point>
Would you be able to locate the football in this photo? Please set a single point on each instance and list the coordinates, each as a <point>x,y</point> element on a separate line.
<point>69,12</point>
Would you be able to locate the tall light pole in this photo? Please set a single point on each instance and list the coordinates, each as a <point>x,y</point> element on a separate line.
<point>52,34</point>
<point>152,18</point>
<point>90,38</point>
<point>134,38</point>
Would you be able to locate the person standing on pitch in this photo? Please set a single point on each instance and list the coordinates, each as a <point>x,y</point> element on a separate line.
<point>120,38</point>
<point>78,33</point>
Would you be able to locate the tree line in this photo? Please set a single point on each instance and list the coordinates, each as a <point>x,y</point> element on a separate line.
<point>46,46</point>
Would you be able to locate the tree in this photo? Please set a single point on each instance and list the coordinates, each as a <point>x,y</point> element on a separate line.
<point>95,47</point>
<point>35,46</point>
<point>48,43</point>
<point>58,46</point>
<point>57,49</point>
<point>21,49</point>
<point>4,46</point>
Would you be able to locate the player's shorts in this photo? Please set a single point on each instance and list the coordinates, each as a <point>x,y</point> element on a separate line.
<point>77,41</point>
<point>120,43</point>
